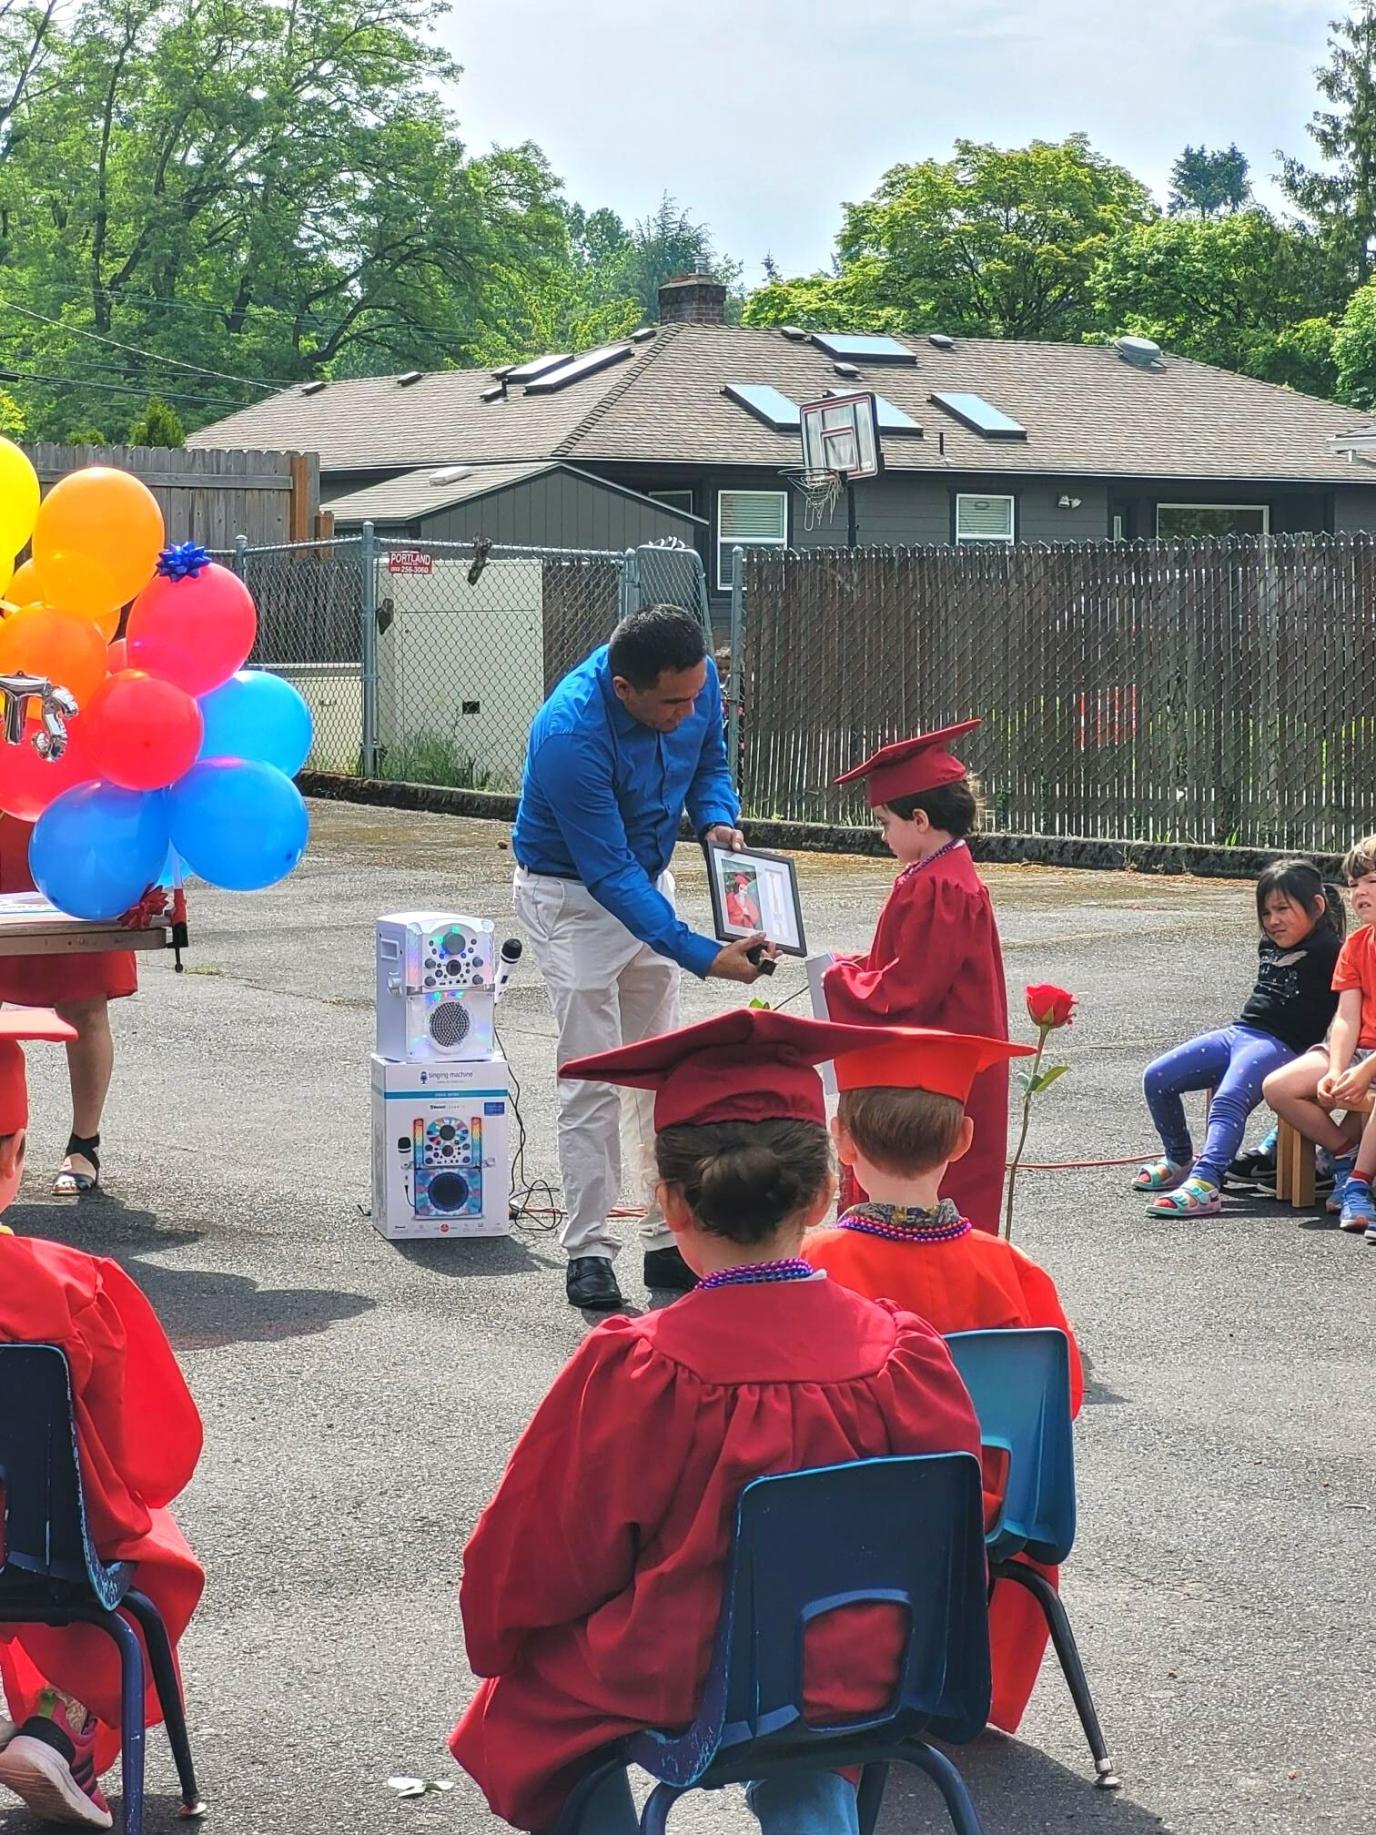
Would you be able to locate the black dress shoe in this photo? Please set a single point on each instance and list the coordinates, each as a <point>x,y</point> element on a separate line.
<point>591,1284</point>
<point>666,1268</point>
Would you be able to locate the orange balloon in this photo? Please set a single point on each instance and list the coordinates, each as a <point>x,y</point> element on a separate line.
<point>24,588</point>
<point>96,543</point>
<point>68,650</point>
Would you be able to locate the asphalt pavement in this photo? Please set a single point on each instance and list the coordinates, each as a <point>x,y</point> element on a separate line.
<point>360,1396</point>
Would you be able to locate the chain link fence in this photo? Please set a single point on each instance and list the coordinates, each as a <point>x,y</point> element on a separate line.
<point>1218,692</point>
<point>425,662</point>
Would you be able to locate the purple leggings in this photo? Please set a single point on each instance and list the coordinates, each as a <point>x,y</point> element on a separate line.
<point>1233,1062</point>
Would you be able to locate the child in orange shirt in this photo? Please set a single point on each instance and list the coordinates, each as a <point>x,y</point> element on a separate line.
<point>901,1123</point>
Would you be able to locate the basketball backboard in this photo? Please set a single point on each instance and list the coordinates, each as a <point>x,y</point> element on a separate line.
<point>841,435</point>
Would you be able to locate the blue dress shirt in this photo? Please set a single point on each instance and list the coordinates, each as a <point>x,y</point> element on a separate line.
<point>602,797</point>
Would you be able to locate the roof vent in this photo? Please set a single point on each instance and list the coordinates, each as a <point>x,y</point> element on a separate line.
<point>450,474</point>
<point>311,388</point>
<point>643,334</point>
<point>497,393</point>
<point>940,341</point>
<point>1141,353</point>
<point>793,334</point>
<point>506,369</point>
<point>404,382</point>
<point>847,369</point>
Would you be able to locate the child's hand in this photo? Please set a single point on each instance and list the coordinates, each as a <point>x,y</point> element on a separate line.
<point>1352,1082</point>
<point>1327,1083</point>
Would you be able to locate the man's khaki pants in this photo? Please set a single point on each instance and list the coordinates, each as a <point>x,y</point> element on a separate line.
<point>607,989</point>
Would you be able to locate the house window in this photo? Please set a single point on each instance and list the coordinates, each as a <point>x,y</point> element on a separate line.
<point>1181,521</point>
<point>673,500</point>
<point>748,519</point>
<point>984,519</point>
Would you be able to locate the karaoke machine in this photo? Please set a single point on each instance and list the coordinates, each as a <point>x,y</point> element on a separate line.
<point>440,1148</point>
<point>436,977</point>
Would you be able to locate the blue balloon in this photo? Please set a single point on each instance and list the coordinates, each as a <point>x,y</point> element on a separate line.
<point>258,717</point>
<point>239,825</point>
<point>97,849</point>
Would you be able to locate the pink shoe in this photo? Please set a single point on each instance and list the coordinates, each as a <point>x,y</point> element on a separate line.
<point>50,1764</point>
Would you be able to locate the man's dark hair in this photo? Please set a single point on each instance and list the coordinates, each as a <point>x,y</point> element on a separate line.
<point>657,638</point>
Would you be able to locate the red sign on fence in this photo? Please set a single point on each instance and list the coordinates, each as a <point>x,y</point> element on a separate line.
<point>410,560</point>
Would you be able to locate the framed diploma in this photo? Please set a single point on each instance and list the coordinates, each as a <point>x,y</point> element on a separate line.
<point>753,892</point>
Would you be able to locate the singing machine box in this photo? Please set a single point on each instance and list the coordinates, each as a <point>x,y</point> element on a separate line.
<point>441,1153</point>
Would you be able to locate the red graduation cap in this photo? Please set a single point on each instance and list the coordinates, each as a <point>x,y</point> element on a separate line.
<point>22,1023</point>
<point>921,1058</point>
<point>910,766</point>
<point>750,1064</point>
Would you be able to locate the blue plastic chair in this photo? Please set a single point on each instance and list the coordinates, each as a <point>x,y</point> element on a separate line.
<point>906,1532</point>
<point>1019,1382</point>
<point>51,1573</point>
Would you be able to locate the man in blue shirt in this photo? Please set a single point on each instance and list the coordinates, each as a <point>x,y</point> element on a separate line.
<point>627,742</point>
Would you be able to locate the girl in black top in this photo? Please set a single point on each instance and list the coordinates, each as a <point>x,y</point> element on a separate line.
<point>1302,922</point>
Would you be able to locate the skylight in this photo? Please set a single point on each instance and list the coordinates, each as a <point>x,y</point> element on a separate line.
<point>537,366</point>
<point>576,368</point>
<point>856,347</point>
<point>890,419</point>
<point>767,404</point>
<point>980,416</point>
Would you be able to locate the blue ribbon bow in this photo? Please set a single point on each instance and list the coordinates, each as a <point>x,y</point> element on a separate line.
<point>183,562</point>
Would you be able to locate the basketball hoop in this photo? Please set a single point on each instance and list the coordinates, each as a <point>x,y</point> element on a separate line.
<point>820,492</point>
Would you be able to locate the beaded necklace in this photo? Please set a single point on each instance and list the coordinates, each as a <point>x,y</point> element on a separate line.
<point>947,847</point>
<point>906,1223</point>
<point>794,1269</point>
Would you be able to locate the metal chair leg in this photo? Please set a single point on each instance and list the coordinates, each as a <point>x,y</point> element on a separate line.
<point>131,1732</point>
<point>1067,1651</point>
<point>654,1818</point>
<point>949,1782</point>
<point>169,1696</point>
<point>870,1796</point>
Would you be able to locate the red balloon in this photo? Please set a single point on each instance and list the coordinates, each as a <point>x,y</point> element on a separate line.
<point>147,732</point>
<point>29,783</point>
<point>116,657</point>
<point>194,632</point>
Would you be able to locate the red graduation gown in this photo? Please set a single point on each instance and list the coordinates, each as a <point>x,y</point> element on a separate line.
<point>592,1583</point>
<point>139,1437</point>
<point>936,961</point>
<point>976,1283</point>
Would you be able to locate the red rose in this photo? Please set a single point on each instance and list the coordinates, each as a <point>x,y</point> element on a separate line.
<point>1049,1006</point>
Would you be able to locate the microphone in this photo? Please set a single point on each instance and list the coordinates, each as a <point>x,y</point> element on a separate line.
<point>506,966</point>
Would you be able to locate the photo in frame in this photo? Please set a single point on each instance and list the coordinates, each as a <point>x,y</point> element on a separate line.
<point>752,891</point>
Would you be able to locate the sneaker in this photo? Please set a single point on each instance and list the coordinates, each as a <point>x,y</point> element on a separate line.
<point>1342,1166</point>
<point>1358,1213</point>
<point>50,1765</point>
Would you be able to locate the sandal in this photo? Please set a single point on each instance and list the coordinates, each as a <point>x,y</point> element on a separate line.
<point>69,1182</point>
<point>1195,1198</point>
<point>1160,1175</point>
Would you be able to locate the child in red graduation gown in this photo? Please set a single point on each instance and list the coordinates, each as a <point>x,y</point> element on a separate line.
<point>935,959</point>
<point>592,1583</point>
<point>139,1437</point>
<point>901,1121</point>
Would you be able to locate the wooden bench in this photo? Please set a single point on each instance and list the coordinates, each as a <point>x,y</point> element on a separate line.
<point>1295,1157</point>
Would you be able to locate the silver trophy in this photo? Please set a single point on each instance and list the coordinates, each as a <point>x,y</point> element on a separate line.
<point>56,705</point>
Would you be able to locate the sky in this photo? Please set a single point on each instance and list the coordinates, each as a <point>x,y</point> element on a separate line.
<point>762,116</point>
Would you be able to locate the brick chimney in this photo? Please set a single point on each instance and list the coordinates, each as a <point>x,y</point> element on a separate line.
<point>692,299</point>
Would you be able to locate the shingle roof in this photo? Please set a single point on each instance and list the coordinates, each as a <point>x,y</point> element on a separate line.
<point>1086,411</point>
<point>414,493</point>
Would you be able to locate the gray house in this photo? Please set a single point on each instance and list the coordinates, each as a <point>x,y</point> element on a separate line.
<point>687,428</point>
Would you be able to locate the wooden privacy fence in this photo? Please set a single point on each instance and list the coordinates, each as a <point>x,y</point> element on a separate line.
<point>1214,692</point>
<point>211,496</point>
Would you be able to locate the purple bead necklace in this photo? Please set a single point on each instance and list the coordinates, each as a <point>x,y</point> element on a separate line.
<point>947,847</point>
<point>793,1269</point>
<point>926,1226</point>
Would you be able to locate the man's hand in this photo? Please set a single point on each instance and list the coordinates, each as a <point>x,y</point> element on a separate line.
<point>723,835</point>
<point>734,964</point>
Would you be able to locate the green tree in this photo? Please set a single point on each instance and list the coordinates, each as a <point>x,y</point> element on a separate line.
<point>1240,290</point>
<point>156,425</point>
<point>13,421</point>
<point>1206,182</point>
<point>1354,349</point>
<point>995,242</point>
<point>1340,195</point>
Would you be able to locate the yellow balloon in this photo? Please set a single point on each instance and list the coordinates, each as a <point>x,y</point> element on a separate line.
<point>18,498</point>
<point>96,541</point>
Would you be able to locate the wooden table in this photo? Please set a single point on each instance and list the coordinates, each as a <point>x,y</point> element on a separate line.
<point>30,926</point>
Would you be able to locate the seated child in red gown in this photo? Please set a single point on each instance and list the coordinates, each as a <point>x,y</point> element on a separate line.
<point>901,1122</point>
<point>592,1583</point>
<point>139,1436</point>
<point>936,959</point>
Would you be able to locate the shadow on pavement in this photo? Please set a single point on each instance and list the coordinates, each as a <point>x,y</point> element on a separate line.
<point>1017,1790</point>
<point>461,1257</point>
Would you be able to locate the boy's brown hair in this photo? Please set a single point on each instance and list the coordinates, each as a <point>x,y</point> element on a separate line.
<point>1360,859</point>
<point>957,808</point>
<point>902,1131</point>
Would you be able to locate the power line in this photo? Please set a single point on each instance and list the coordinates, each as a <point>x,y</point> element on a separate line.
<point>96,337</point>
<point>7,374</point>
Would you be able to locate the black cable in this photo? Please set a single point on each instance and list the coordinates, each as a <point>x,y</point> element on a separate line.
<point>522,1208</point>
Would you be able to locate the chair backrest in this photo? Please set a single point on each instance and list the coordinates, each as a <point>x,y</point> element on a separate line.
<point>905,1532</point>
<point>1019,1382</point>
<point>45,1534</point>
